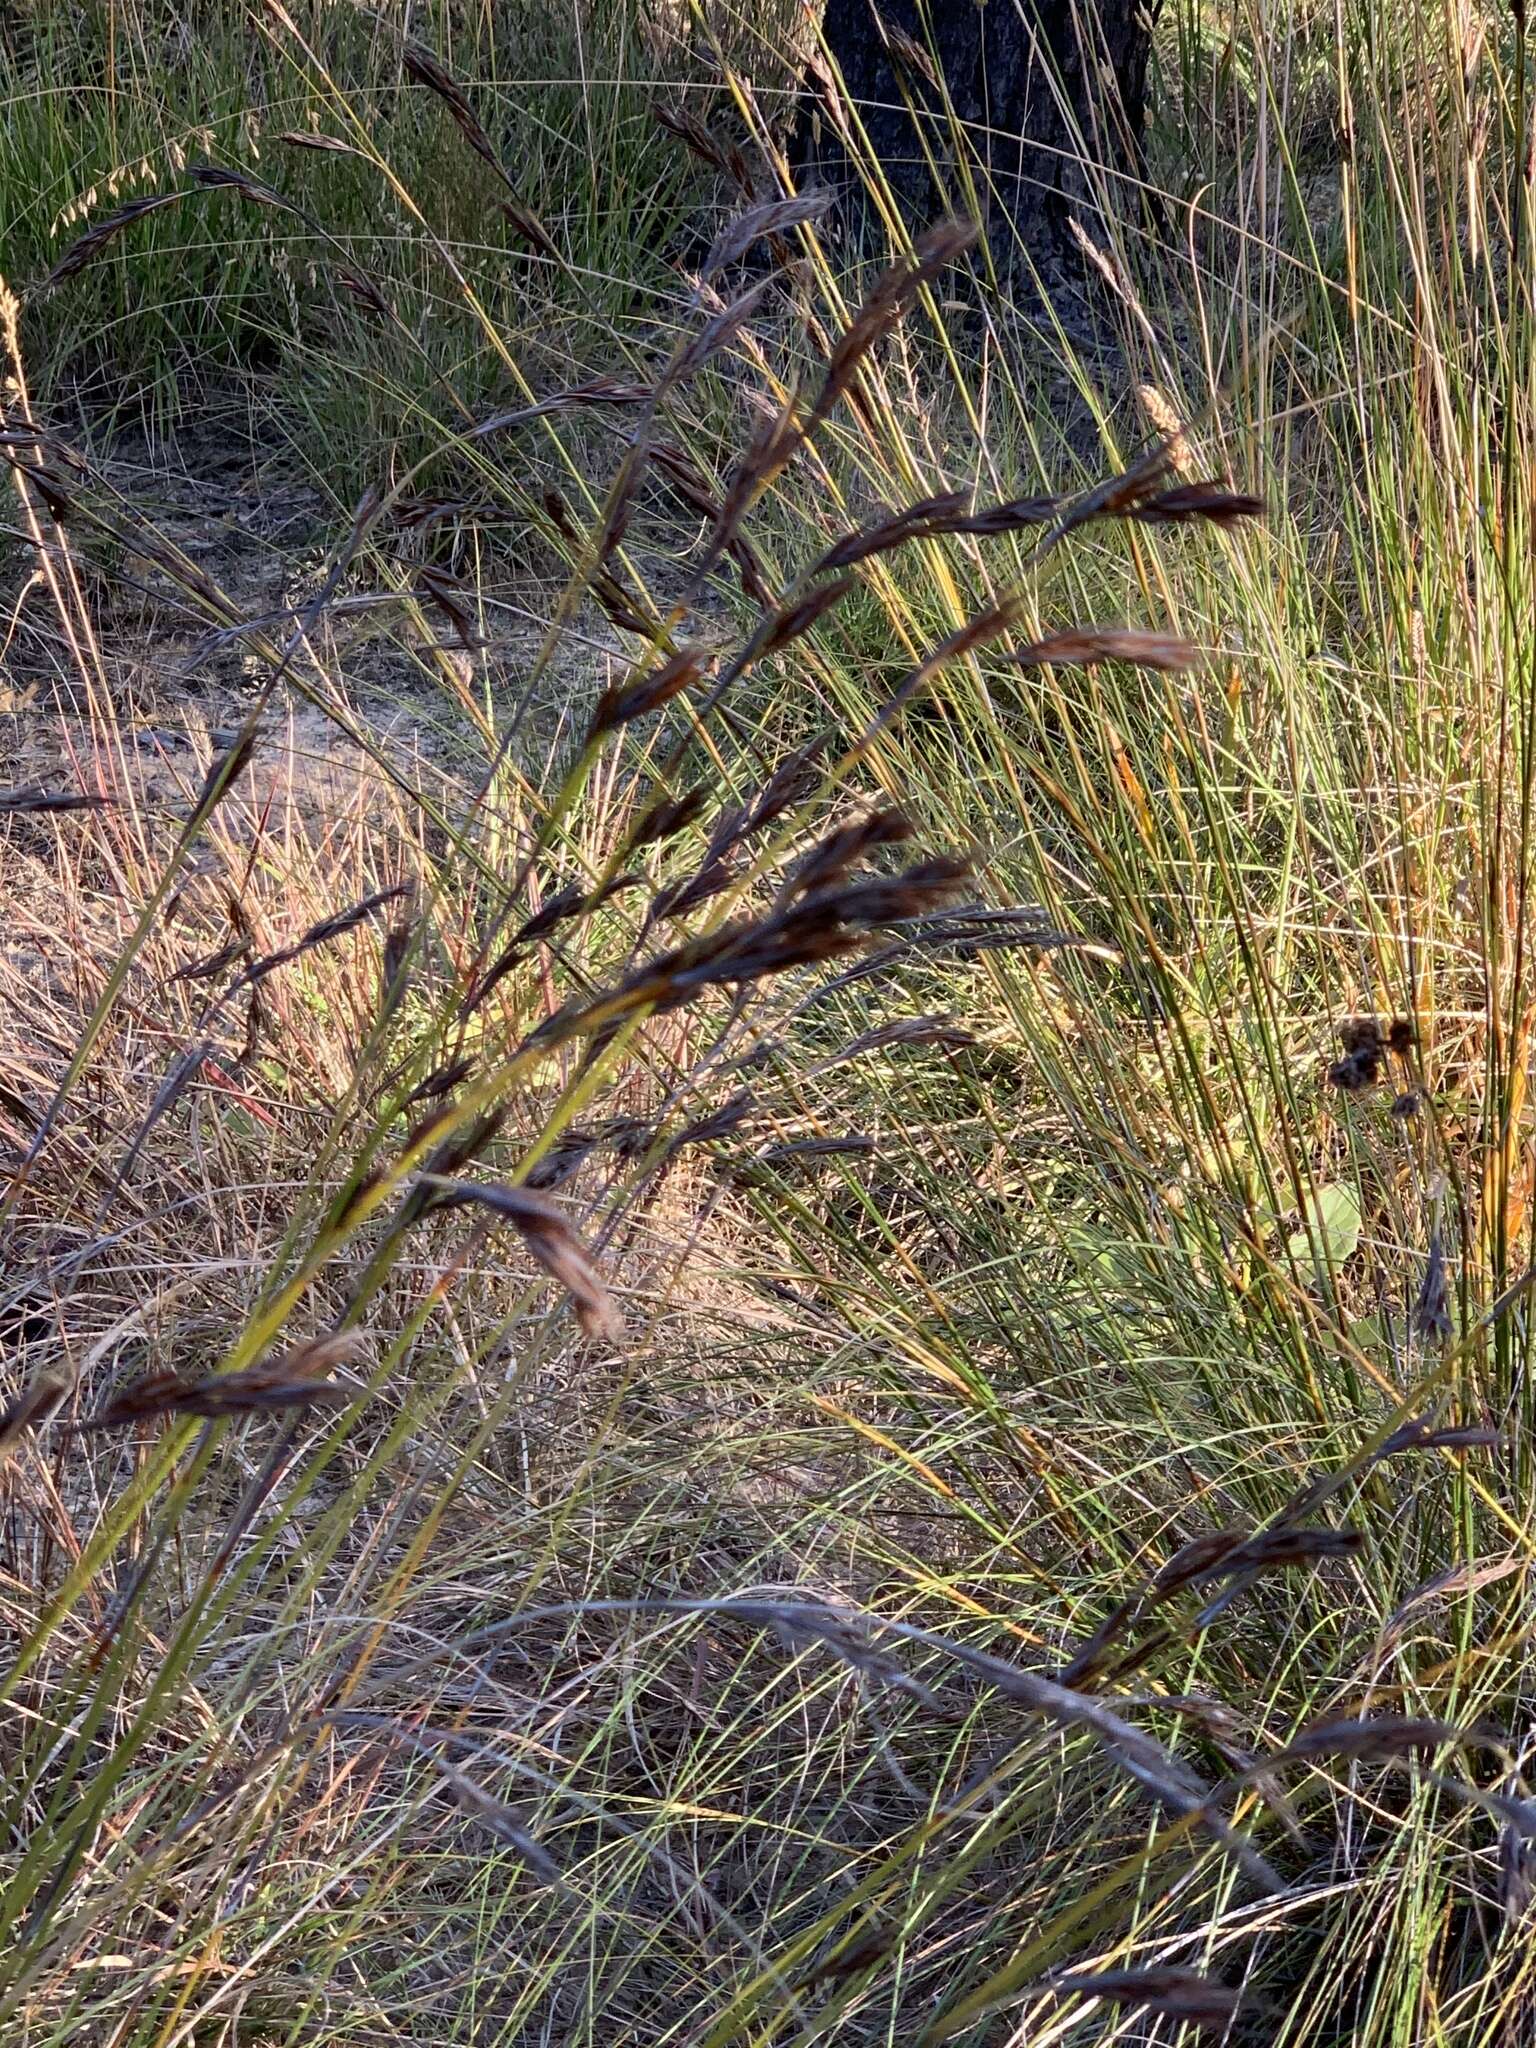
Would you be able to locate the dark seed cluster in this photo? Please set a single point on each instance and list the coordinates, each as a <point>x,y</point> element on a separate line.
<point>1367,1042</point>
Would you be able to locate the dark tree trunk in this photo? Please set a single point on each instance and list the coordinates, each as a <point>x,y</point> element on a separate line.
<point>1040,85</point>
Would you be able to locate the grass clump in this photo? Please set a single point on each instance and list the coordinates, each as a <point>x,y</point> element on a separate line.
<point>767,1224</point>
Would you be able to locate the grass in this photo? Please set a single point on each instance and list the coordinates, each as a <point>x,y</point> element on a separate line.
<point>861,1451</point>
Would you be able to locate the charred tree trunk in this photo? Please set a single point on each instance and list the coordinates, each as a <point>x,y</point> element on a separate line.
<point>1045,89</point>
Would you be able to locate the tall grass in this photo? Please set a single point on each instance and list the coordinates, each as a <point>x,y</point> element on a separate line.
<point>708,1425</point>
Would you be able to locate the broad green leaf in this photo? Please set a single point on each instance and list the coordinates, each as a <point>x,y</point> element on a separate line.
<point>1332,1227</point>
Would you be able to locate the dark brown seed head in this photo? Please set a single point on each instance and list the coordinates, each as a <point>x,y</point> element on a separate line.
<point>528,225</point>
<point>1208,501</point>
<point>362,291</point>
<point>597,391</point>
<point>361,1188</point>
<point>1421,1435</point>
<point>562,1160</point>
<point>441,1081</point>
<point>796,620</point>
<point>864,1953</point>
<point>457,1152</point>
<point>395,952</point>
<point>30,1410</point>
<point>907,50</point>
<point>773,217</point>
<point>1383,1736</point>
<point>692,133</point>
<point>1357,1070</point>
<point>219,178</point>
<point>914,1031</point>
<point>720,1123</point>
<point>503,964</point>
<point>891,899</point>
<point>48,485</point>
<point>810,1151</point>
<point>447,594</point>
<point>1273,1548</point>
<point>1178,1994</point>
<point>1431,1315</point>
<point>942,513</point>
<point>420,64</point>
<point>1085,646</point>
<point>697,137</point>
<point>769,452</point>
<point>830,860</point>
<point>551,1241</point>
<point>214,963</point>
<point>1012,516</point>
<point>716,335</point>
<point>155,1393</point>
<point>298,138</point>
<point>666,816</point>
<point>893,293</point>
<point>825,926</point>
<point>680,472</point>
<point>318,935</point>
<point>1361,1034</point>
<point>295,1378</point>
<point>562,904</point>
<point>1197,1559</point>
<point>226,771</point>
<point>81,251</point>
<point>560,516</point>
<point>638,695</point>
<point>36,799</point>
<point>1226,1553</point>
<point>419,513</point>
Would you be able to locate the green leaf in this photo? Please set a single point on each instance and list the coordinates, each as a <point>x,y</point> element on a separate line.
<point>1332,1227</point>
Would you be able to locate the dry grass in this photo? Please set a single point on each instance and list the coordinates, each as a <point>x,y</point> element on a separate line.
<point>767,1230</point>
